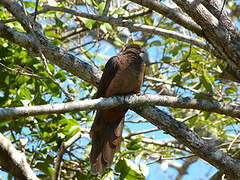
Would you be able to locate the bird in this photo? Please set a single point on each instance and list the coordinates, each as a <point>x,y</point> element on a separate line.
<point>123,74</point>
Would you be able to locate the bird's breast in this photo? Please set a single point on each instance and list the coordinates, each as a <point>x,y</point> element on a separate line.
<point>128,79</point>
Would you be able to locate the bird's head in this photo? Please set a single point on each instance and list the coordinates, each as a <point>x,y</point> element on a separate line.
<point>133,48</point>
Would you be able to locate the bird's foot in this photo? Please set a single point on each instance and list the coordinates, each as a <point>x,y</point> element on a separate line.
<point>139,94</point>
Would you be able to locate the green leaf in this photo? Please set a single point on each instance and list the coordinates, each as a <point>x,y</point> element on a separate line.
<point>149,20</point>
<point>232,89</point>
<point>207,115</point>
<point>166,59</point>
<point>29,4</point>
<point>207,80</point>
<point>46,168</point>
<point>24,93</point>
<point>89,23</point>
<point>71,127</point>
<point>119,11</point>
<point>175,50</point>
<point>59,22</point>
<point>128,170</point>
<point>156,43</point>
<point>177,78</point>
<point>108,176</point>
<point>118,42</point>
<point>101,7</point>
<point>60,75</point>
<point>106,27</point>
<point>52,34</point>
<point>185,66</point>
<point>5,45</point>
<point>140,43</point>
<point>134,144</point>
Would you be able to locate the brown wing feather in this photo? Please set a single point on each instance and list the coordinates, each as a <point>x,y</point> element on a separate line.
<point>109,72</point>
<point>107,127</point>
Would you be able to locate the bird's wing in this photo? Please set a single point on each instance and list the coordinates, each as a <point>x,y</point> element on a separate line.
<point>109,72</point>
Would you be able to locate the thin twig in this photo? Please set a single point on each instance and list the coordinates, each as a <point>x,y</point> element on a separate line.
<point>141,132</point>
<point>36,10</point>
<point>224,3</point>
<point>85,44</point>
<point>178,158</point>
<point>162,81</point>
<point>24,73</point>
<point>138,14</point>
<point>44,60</point>
<point>171,158</point>
<point>233,141</point>
<point>172,143</point>
<point>226,144</point>
<point>188,118</point>
<point>106,8</point>
<point>184,167</point>
<point>136,121</point>
<point>61,151</point>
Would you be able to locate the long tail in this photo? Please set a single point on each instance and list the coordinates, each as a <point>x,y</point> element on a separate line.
<point>106,134</point>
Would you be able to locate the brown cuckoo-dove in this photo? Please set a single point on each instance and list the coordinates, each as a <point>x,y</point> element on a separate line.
<point>123,74</point>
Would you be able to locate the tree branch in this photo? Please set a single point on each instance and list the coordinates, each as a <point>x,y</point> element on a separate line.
<point>134,27</point>
<point>61,151</point>
<point>183,169</point>
<point>13,161</point>
<point>130,100</point>
<point>137,14</point>
<point>192,140</point>
<point>22,71</point>
<point>106,8</point>
<point>22,39</point>
<point>223,36</point>
<point>53,53</point>
<point>172,14</point>
<point>141,132</point>
<point>173,143</point>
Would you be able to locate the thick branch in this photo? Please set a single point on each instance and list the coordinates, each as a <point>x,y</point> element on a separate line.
<point>18,11</point>
<point>223,36</point>
<point>172,14</point>
<point>13,161</point>
<point>216,7</point>
<point>53,53</point>
<point>183,134</point>
<point>19,38</point>
<point>131,100</point>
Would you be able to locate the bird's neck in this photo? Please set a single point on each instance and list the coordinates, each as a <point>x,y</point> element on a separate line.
<point>132,51</point>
